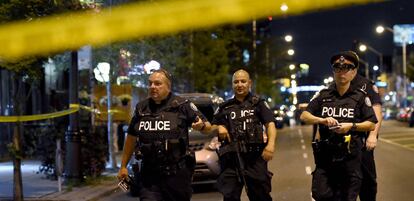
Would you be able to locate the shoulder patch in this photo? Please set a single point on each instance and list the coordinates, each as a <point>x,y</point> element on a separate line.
<point>375,88</point>
<point>193,107</point>
<point>368,102</point>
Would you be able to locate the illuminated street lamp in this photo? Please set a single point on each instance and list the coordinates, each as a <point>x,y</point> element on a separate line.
<point>291,52</point>
<point>292,66</point>
<point>102,75</point>
<point>284,7</point>
<point>404,37</point>
<point>364,47</point>
<point>288,38</point>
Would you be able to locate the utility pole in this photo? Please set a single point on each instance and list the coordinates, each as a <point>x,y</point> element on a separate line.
<point>73,135</point>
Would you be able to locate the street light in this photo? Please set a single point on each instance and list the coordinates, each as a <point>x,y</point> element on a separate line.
<point>291,52</point>
<point>288,38</point>
<point>102,75</point>
<point>404,39</point>
<point>365,47</point>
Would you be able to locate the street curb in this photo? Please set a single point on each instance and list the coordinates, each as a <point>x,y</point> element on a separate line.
<point>86,193</point>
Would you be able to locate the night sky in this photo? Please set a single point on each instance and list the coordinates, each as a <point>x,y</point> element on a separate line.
<point>319,35</point>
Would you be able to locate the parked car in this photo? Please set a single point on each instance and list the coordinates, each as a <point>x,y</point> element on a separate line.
<point>279,118</point>
<point>205,146</point>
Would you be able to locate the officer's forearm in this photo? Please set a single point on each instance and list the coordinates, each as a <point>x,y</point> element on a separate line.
<point>378,114</point>
<point>207,129</point>
<point>129,148</point>
<point>308,118</point>
<point>365,126</point>
<point>271,134</point>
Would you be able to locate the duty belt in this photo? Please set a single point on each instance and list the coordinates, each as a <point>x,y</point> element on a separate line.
<point>248,148</point>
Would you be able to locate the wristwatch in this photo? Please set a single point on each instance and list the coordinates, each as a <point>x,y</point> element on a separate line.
<point>354,126</point>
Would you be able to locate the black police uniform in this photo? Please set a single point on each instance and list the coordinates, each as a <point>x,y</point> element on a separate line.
<point>369,182</point>
<point>244,121</point>
<point>338,162</point>
<point>167,165</point>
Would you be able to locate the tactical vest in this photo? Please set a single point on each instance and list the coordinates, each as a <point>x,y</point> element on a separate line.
<point>344,110</point>
<point>244,125</point>
<point>163,139</point>
<point>166,124</point>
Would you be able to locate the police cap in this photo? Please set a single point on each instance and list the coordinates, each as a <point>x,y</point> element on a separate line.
<point>349,55</point>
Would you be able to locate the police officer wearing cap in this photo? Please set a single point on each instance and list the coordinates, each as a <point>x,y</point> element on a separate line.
<point>244,153</point>
<point>160,128</point>
<point>369,182</point>
<point>343,114</point>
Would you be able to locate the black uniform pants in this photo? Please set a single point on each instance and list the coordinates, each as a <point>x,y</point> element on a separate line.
<point>369,177</point>
<point>340,181</point>
<point>258,179</point>
<point>168,188</point>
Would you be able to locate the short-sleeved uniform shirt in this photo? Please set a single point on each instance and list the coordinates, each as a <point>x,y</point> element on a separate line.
<point>261,111</point>
<point>353,106</point>
<point>369,87</point>
<point>187,113</point>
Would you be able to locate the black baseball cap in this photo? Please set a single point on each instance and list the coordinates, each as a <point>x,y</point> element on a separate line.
<point>349,55</point>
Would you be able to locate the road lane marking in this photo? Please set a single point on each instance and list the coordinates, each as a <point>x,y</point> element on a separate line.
<point>305,155</point>
<point>402,139</point>
<point>394,143</point>
<point>303,147</point>
<point>302,141</point>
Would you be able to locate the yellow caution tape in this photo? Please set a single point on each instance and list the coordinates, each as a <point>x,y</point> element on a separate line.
<point>74,30</point>
<point>72,109</point>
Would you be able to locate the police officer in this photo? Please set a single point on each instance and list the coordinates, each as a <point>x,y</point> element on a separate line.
<point>160,126</point>
<point>244,154</point>
<point>369,182</point>
<point>343,115</point>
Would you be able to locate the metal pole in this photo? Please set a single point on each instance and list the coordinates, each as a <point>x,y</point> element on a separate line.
<point>112,158</point>
<point>72,135</point>
<point>404,65</point>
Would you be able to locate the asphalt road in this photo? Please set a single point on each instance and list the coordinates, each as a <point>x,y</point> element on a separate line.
<point>293,164</point>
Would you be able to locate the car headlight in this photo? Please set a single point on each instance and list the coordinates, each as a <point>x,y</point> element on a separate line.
<point>214,144</point>
<point>279,118</point>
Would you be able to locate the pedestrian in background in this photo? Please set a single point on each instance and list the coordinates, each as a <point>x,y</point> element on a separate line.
<point>344,114</point>
<point>159,128</point>
<point>244,154</point>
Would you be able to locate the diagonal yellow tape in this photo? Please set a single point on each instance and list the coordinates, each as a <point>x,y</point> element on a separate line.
<point>71,31</point>
<point>72,109</point>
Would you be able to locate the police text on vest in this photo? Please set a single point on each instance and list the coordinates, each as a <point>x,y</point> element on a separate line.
<point>154,125</point>
<point>338,112</point>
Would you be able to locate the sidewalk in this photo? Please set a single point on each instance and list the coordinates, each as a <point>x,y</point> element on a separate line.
<point>37,187</point>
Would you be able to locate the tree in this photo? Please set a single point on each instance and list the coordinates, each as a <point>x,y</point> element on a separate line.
<point>27,69</point>
<point>189,56</point>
